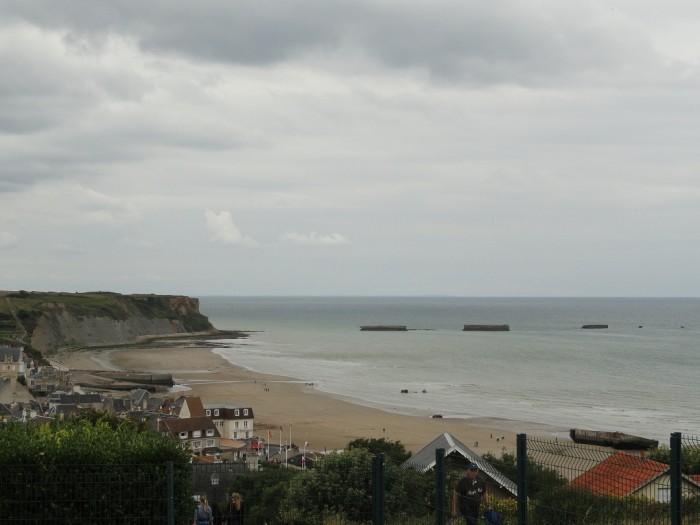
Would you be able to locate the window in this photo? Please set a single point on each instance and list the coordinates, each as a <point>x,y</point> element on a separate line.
<point>210,432</point>
<point>235,424</point>
<point>245,412</point>
<point>196,444</point>
<point>236,412</point>
<point>216,412</point>
<point>664,494</point>
<point>183,435</point>
<point>210,442</point>
<point>209,412</point>
<point>245,424</point>
<point>197,434</point>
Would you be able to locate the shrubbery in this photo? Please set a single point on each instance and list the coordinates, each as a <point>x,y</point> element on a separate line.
<point>92,466</point>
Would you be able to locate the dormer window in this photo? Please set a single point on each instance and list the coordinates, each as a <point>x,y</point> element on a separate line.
<point>237,413</point>
<point>209,412</point>
<point>216,412</point>
<point>210,432</point>
<point>182,435</point>
<point>245,412</point>
<point>197,434</point>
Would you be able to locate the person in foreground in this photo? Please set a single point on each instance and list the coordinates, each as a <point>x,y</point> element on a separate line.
<point>234,512</point>
<point>469,492</point>
<point>202,514</point>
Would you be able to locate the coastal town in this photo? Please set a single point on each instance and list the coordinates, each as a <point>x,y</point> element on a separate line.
<point>214,432</point>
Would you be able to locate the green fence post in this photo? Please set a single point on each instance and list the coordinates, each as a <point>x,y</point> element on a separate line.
<point>676,479</point>
<point>440,499</point>
<point>522,478</point>
<point>171,493</point>
<point>378,490</point>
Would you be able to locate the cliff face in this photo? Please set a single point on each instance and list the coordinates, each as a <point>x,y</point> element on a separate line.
<point>61,328</point>
<point>51,321</point>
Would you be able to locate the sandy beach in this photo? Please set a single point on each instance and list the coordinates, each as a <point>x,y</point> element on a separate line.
<point>326,422</point>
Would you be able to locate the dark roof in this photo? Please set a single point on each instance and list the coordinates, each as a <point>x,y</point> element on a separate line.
<point>138,395</point>
<point>78,399</point>
<point>175,426</point>
<point>229,411</point>
<point>13,353</point>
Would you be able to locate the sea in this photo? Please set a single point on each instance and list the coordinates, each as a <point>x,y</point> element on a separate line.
<point>641,375</point>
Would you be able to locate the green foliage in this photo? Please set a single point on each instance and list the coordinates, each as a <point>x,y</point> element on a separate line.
<point>540,479</point>
<point>410,493</point>
<point>88,465</point>
<point>394,451</point>
<point>576,507</point>
<point>340,487</point>
<point>262,492</point>
<point>690,457</point>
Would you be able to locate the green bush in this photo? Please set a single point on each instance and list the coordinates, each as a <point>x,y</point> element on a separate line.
<point>91,467</point>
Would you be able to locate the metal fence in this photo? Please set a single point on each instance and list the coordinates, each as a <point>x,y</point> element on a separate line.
<point>558,482</point>
<point>568,483</point>
<point>86,494</point>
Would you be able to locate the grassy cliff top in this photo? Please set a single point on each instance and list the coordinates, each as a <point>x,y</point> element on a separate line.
<point>28,307</point>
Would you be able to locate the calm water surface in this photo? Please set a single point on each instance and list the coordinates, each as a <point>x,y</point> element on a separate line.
<point>638,376</point>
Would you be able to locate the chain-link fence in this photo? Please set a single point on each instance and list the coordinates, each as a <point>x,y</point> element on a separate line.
<point>569,483</point>
<point>92,494</point>
<point>548,481</point>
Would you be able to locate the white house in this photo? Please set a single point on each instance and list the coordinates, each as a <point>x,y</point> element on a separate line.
<point>232,421</point>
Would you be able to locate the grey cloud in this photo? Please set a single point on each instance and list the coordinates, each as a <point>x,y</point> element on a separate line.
<point>477,42</point>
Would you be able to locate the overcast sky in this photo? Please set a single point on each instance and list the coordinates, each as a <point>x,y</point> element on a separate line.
<point>359,147</point>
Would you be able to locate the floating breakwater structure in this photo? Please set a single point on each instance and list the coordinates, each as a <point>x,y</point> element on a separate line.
<point>384,328</point>
<point>486,328</point>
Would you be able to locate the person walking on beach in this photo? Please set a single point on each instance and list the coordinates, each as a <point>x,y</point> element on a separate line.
<point>202,514</point>
<point>234,511</point>
<point>469,492</point>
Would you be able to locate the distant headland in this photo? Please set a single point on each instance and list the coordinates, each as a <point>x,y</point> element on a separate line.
<point>52,321</point>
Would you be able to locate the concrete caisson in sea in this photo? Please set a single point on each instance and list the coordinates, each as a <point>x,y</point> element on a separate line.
<point>384,328</point>
<point>486,328</point>
<point>618,440</point>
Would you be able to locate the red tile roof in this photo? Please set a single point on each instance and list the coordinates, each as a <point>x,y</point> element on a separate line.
<point>196,407</point>
<point>619,475</point>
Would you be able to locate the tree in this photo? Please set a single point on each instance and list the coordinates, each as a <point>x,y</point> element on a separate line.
<point>690,462</point>
<point>540,480</point>
<point>92,467</point>
<point>340,486</point>
<point>394,451</point>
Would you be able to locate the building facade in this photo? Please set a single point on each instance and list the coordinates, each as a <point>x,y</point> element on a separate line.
<point>232,421</point>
